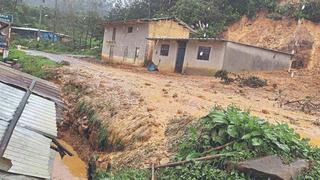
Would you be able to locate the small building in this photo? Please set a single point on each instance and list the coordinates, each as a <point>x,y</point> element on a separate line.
<point>4,38</point>
<point>45,35</point>
<point>205,56</point>
<point>29,111</point>
<point>125,40</point>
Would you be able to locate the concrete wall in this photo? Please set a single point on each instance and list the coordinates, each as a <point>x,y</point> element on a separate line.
<point>165,63</point>
<point>192,65</point>
<point>241,57</point>
<point>126,43</point>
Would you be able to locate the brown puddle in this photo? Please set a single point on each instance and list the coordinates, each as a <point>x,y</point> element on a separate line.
<point>71,167</point>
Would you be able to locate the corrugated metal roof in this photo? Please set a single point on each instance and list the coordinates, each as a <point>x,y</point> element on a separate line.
<point>28,150</point>
<point>43,88</point>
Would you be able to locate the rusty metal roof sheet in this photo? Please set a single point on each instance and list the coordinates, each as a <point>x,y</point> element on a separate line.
<point>28,150</point>
<point>43,88</point>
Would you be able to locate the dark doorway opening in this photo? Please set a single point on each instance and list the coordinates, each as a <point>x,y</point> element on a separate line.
<point>180,56</point>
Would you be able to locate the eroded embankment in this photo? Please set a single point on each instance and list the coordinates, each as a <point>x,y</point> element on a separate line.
<point>110,118</point>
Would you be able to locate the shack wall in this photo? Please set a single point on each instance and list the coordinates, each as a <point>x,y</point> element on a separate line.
<point>192,65</point>
<point>125,44</point>
<point>240,57</point>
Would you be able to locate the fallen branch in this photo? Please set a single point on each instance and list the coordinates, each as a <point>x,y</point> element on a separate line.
<point>173,164</point>
<point>219,147</point>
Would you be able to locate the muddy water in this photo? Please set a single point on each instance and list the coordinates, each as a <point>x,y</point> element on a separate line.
<point>70,168</point>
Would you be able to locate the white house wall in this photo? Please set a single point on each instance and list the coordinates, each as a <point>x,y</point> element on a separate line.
<point>165,63</point>
<point>125,40</point>
<point>192,65</point>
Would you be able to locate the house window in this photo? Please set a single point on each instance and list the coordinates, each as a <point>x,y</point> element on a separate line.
<point>164,50</point>
<point>204,53</point>
<point>130,29</point>
<point>114,34</point>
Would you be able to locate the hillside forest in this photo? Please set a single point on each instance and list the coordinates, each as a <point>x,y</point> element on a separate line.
<point>209,17</point>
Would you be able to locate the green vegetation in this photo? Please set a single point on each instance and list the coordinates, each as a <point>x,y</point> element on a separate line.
<point>223,75</point>
<point>128,173</point>
<point>35,65</point>
<point>59,48</point>
<point>210,18</point>
<point>253,82</point>
<point>250,81</point>
<point>85,27</point>
<point>252,137</point>
<point>84,108</point>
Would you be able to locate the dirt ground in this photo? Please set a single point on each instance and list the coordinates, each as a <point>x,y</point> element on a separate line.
<point>148,111</point>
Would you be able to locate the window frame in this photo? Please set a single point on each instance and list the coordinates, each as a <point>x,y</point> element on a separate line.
<point>204,49</point>
<point>164,52</point>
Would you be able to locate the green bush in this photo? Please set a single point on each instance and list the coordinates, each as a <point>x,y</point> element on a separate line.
<point>253,82</point>
<point>224,76</point>
<point>252,137</point>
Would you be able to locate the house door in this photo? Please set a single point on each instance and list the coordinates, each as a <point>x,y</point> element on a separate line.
<point>180,56</point>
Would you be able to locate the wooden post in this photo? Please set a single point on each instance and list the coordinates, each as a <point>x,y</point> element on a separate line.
<point>152,172</point>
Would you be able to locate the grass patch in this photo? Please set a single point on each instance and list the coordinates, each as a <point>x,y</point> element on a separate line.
<point>86,109</point>
<point>128,173</point>
<point>35,65</point>
<point>60,48</point>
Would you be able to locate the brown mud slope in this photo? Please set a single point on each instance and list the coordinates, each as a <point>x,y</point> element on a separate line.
<point>285,35</point>
<point>146,112</point>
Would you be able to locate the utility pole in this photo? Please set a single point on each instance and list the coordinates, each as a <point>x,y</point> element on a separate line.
<point>55,19</point>
<point>40,20</point>
<point>55,16</point>
<point>149,9</point>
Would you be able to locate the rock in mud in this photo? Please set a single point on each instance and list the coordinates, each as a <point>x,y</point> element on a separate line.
<point>272,167</point>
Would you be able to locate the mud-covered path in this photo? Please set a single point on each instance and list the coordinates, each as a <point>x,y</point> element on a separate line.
<point>164,97</point>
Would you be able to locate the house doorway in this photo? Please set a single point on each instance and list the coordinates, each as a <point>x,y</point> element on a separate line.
<point>180,56</point>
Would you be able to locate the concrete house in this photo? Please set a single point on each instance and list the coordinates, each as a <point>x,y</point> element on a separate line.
<point>205,56</point>
<point>126,41</point>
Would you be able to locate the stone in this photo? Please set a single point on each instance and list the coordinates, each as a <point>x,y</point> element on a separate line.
<point>175,95</point>
<point>264,111</point>
<point>164,161</point>
<point>149,109</point>
<point>272,167</point>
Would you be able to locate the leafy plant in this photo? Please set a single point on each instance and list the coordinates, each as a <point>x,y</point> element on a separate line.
<point>248,137</point>
<point>253,82</point>
<point>223,75</point>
